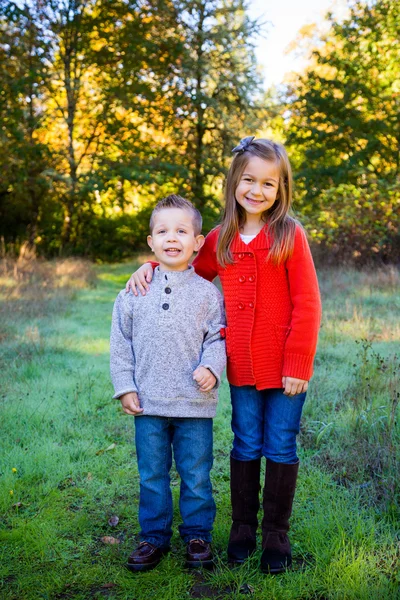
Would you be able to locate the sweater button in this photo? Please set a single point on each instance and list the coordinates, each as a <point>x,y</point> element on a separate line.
<point>165,306</point>
<point>242,279</point>
<point>251,305</point>
<point>241,255</point>
<point>252,278</point>
<point>241,305</point>
<point>167,290</point>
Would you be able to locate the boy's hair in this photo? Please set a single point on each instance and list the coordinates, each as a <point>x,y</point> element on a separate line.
<point>175,201</point>
<point>281,226</point>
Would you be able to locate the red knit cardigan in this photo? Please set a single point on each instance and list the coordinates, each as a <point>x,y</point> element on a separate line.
<point>273,312</point>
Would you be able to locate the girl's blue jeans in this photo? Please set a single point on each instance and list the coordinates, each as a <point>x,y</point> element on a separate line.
<point>265,423</point>
<point>191,440</point>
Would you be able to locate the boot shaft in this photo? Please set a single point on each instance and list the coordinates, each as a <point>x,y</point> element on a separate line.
<point>279,490</point>
<point>245,490</point>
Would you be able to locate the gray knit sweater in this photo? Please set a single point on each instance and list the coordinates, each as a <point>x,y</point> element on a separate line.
<point>158,340</point>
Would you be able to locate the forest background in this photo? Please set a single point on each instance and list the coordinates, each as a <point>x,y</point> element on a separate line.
<point>108,105</point>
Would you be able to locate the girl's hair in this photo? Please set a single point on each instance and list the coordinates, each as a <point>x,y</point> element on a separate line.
<point>281,226</point>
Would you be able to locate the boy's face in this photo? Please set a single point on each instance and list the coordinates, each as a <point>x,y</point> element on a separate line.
<point>173,239</point>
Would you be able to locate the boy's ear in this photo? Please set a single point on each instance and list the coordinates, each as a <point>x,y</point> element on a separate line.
<point>150,242</point>
<point>200,239</point>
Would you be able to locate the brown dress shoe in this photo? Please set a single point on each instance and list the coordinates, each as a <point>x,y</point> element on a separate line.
<point>145,557</point>
<point>199,554</point>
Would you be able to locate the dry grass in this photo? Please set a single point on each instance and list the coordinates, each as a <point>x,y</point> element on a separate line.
<point>31,287</point>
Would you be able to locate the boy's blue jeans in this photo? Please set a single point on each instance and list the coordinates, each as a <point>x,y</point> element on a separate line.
<point>191,440</point>
<point>265,423</point>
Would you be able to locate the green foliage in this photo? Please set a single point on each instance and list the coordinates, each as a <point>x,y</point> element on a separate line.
<point>344,109</point>
<point>342,127</point>
<point>108,106</point>
<point>24,159</point>
<point>358,224</point>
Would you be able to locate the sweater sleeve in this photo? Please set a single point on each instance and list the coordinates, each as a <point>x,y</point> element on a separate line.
<point>214,352</point>
<point>301,343</point>
<point>122,359</point>
<point>205,263</point>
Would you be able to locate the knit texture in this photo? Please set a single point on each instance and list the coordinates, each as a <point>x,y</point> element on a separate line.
<point>158,340</point>
<point>273,312</point>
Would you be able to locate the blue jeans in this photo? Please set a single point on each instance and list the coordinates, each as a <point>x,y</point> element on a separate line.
<point>191,440</point>
<point>265,423</point>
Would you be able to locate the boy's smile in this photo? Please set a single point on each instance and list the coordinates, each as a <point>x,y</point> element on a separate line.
<point>173,238</point>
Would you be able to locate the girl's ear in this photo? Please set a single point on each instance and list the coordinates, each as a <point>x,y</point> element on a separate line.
<point>200,239</point>
<point>150,242</point>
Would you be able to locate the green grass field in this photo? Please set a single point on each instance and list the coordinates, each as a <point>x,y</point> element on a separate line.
<point>68,462</point>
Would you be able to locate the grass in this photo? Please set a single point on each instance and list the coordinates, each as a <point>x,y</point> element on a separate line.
<point>68,462</point>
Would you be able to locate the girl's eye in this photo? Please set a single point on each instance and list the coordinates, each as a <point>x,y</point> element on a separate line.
<point>248,179</point>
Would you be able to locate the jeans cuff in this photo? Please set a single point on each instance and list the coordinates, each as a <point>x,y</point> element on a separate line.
<point>206,537</point>
<point>157,542</point>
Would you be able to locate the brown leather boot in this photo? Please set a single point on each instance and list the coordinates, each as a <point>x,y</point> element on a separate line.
<point>245,490</point>
<point>280,485</point>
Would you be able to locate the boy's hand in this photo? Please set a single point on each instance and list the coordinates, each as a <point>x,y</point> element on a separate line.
<point>140,280</point>
<point>293,386</point>
<point>204,378</point>
<point>130,403</point>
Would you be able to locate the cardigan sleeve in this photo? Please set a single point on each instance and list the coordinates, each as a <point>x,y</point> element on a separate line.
<point>205,263</point>
<point>301,343</point>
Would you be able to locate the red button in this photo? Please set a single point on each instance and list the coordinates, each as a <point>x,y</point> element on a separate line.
<point>251,305</point>
<point>241,256</point>
<point>242,279</point>
<point>252,278</point>
<point>241,305</point>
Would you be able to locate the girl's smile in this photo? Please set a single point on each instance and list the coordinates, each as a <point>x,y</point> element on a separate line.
<point>258,186</point>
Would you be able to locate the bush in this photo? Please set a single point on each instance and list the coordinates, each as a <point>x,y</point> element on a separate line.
<point>357,224</point>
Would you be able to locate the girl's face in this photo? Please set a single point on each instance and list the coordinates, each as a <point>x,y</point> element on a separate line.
<point>258,186</point>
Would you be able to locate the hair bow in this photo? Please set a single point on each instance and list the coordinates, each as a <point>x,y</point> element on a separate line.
<point>243,144</point>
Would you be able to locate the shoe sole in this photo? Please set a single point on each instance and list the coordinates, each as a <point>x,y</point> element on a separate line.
<point>198,564</point>
<point>234,560</point>
<point>277,570</point>
<point>138,568</point>
<point>273,571</point>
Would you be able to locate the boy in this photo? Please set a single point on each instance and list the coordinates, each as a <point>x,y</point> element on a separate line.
<point>167,356</point>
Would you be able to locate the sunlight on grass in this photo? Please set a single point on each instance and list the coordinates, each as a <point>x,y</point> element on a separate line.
<point>68,462</point>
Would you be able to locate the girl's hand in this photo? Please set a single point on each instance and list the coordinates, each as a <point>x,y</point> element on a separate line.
<point>293,386</point>
<point>140,280</point>
<point>204,378</point>
<point>130,403</point>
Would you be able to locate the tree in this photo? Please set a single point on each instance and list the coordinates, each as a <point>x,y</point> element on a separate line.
<point>24,159</point>
<point>344,112</point>
<point>193,95</point>
<point>216,90</point>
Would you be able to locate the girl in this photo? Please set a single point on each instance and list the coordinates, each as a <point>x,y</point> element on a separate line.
<point>273,314</point>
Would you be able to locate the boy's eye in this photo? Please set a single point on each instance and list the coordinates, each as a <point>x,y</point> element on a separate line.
<point>161,231</point>
<point>181,231</point>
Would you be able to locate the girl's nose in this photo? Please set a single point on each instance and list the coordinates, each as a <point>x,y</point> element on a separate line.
<point>256,188</point>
